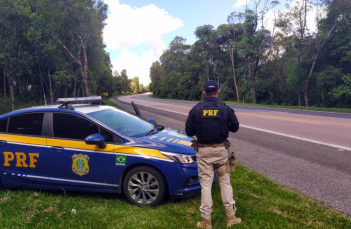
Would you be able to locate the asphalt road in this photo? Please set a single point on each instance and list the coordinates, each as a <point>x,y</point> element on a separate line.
<point>305,150</point>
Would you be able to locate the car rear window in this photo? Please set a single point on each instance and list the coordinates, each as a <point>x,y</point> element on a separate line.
<point>3,125</point>
<point>26,124</point>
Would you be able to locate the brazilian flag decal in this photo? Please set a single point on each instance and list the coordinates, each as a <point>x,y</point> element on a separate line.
<point>121,159</point>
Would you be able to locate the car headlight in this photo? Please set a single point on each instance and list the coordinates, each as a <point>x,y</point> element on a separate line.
<point>181,158</point>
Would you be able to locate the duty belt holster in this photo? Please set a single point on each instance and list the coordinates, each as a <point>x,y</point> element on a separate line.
<point>227,144</point>
<point>195,145</point>
<point>230,165</point>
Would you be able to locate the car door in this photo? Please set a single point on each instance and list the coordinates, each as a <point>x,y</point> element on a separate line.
<point>22,148</point>
<point>75,164</point>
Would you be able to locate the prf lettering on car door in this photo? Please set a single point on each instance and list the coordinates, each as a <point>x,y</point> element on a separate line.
<point>22,159</point>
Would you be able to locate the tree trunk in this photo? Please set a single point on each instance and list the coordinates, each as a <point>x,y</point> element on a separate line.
<point>50,85</point>
<point>252,81</point>
<point>253,94</point>
<point>20,88</point>
<point>85,70</point>
<point>4,83</point>
<point>299,96</point>
<point>75,88</point>
<point>201,82</point>
<point>207,68</point>
<point>234,76</point>
<point>305,93</point>
<point>12,94</point>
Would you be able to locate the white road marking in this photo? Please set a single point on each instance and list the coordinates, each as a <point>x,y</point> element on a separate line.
<point>298,138</point>
<point>276,133</point>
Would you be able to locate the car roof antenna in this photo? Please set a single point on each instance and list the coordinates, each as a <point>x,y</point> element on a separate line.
<point>136,109</point>
<point>66,105</point>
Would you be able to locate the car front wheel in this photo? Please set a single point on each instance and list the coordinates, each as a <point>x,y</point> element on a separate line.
<point>144,186</point>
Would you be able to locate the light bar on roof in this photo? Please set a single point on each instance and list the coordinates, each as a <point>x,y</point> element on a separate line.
<point>90,99</point>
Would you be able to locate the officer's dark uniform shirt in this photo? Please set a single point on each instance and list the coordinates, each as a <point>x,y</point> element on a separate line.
<point>215,120</point>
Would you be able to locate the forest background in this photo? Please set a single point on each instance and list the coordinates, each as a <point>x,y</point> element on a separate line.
<point>51,49</point>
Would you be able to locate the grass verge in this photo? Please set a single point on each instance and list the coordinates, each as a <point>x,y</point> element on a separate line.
<point>261,203</point>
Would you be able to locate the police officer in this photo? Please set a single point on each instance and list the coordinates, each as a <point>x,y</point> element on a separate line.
<point>211,122</point>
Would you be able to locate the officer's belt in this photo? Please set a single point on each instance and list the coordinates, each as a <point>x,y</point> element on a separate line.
<point>211,145</point>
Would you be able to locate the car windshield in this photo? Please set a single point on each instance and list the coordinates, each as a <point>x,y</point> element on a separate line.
<point>123,122</point>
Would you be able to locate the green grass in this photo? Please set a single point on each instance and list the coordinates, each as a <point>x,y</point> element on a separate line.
<point>261,203</point>
<point>339,110</point>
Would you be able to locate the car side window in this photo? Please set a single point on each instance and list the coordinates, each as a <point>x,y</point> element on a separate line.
<point>72,126</point>
<point>3,125</point>
<point>26,124</point>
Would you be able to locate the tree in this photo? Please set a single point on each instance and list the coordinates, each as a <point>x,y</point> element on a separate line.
<point>134,85</point>
<point>156,73</point>
<point>294,23</point>
<point>82,19</point>
<point>205,35</point>
<point>228,36</point>
<point>254,44</point>
<point>47,44</point>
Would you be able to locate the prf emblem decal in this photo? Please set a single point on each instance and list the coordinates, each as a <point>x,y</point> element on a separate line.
<point>80,164</point>
<point>210,113</point>
<point>121,160</point>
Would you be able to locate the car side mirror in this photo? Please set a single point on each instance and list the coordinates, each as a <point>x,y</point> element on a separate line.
<point>153,121</point>
<point>95,139</point>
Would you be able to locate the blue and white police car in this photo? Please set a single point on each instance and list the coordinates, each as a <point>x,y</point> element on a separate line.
<point>94,147</point>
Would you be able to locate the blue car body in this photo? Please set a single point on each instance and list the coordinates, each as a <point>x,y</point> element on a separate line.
<point>41,159</point>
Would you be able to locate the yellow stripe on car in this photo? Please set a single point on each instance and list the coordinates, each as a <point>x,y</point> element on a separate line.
<point>78,145</point>
<point>23,139</point>
<point>81,145</point>
<point>184,143</point>
<point>109,148</point>
<point>139,151</point>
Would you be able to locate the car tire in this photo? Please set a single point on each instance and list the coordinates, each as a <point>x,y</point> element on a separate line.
<point>144,186</point>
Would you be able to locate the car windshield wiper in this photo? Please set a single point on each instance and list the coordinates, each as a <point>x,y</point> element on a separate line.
<point>155,130</point>
<point>151,132</point>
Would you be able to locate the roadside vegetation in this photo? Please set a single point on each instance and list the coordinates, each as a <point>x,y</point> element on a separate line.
<point>312,108</point>
<point>261,203</point>
<point>54,49</point>
<point>290,65</point>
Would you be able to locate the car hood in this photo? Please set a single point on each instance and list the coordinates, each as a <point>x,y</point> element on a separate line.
<point>169,140</point>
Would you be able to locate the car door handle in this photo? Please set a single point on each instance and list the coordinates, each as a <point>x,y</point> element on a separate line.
<point>3,143</point>
<point>57,149</point>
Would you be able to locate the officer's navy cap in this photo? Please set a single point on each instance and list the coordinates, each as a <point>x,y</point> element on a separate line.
<point>211,86</point>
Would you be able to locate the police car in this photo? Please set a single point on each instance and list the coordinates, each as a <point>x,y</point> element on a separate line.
<point>83,145</point>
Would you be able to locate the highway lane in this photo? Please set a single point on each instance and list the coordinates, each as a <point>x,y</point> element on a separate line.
<point>327,128</point>
<point>315,170</point>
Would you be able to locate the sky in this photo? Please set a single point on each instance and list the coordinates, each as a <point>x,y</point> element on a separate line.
<point>138,31</point>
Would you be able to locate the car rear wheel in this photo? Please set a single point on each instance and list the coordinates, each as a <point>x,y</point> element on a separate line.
<point>144,186</point>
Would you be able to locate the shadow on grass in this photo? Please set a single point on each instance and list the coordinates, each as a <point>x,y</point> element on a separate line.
<point>96,195</point>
